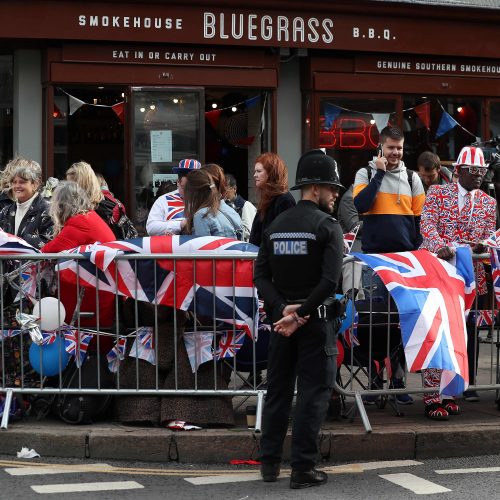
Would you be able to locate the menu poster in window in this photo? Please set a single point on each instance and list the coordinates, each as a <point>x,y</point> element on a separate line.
<point>161,146</point>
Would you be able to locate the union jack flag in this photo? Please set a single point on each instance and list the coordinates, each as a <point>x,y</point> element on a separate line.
<point>494,240</point>
<point>175,205</point>
<point>349,239</point>
<point>117,354</point>
<point>432,297</point>
<point>220,288</point>
<point>198,348</point>
<point>351,333</point>
<point>49,337</point>
<point>495,272</point>
<point>10,244</point>
<point>484,317</point>
<point>142,347</point>
<point>77,343</point>
<point>5,334</point>
<point>230,344</point>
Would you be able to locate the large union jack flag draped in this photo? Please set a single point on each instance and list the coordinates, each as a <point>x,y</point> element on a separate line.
<point>432,297</point>
<point>220,288</point>
<point>11,245</point>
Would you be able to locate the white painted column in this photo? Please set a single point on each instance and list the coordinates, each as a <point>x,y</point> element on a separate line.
<point>28,108</point>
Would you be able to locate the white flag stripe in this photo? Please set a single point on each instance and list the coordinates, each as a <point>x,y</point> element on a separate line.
<point>414,483</point>
<point>468,471</point>
<point>79,487</point>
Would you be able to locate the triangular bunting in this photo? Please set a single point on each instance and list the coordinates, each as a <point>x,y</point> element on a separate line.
<point>331,113</point>
<point>381,120</point>
<point>446,123</point>
<point>74,104</point>
<point>119,109</point>
<point>424,113</point>
<point>213,117</point>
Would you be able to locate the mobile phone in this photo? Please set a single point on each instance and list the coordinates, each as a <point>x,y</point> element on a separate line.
<point>380,149</point>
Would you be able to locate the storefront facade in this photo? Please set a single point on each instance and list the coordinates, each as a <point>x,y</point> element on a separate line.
<point>133,87</point>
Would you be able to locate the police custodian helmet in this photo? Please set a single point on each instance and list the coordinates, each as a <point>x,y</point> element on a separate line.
<point>316,167</point>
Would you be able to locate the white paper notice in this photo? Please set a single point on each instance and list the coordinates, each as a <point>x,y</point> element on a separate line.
<point>161,146</point>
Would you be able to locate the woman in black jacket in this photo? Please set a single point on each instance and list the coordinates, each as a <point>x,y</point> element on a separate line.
<point>271,182</point>
<point>28,215</point>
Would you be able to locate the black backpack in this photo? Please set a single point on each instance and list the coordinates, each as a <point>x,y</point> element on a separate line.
<point>113,213</point>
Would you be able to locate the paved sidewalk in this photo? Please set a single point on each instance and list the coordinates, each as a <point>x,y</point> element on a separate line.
<point>412,436</point>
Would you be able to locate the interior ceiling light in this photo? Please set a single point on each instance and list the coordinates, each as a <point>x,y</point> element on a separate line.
<point>234,109</point>
<point>214,105</point>
<point>152,106</point>
<point>175,100</point>
<point>142,110</point>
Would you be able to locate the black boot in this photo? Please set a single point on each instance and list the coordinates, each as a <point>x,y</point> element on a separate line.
<point>270,472</point>
<point>305,479</point>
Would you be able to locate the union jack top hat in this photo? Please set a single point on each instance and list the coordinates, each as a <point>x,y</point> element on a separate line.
<point>470,156</point>
<point>186,166</point>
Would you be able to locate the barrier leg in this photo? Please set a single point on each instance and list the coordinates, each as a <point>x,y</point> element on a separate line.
<point>362,412</point>
<point>260,407</point>
<point>6,409</point>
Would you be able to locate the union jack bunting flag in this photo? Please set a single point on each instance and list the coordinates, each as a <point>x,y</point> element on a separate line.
<point>175,206</point>
<point>432,297</point>
<point>77,343</point>
<point>199,286</point>
<point>142,347</point>
<point>494,240</point>
<point>6,334</point>
<point>229,344</point>
<point>117,354</point>
<point>351,333</point>
<point>349,239</point>
<point>48,337</point>
<point>484,317</point>
<point>495,272</point>
<point>199,348</point>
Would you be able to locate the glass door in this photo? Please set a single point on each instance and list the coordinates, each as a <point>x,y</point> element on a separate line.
<point>166,126</point>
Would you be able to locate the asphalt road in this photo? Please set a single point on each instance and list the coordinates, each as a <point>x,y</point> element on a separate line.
<point>446,478</point>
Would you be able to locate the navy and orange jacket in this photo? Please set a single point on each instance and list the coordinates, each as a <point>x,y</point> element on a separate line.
<point>391,209</point>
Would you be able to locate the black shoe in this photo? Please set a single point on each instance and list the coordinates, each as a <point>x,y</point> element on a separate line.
<point>270,472</point>
<point>334,411</point>
<point>305,479</point>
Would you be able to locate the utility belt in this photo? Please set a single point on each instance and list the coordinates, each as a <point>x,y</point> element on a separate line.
<point>330,309</point>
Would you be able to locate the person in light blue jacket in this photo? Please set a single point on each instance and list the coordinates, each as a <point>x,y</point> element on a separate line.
<point>206,213</point>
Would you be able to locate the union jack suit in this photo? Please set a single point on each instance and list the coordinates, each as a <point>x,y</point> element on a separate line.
<point>442,223</point>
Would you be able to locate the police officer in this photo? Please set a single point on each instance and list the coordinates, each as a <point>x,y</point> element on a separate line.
<point>297,271</point>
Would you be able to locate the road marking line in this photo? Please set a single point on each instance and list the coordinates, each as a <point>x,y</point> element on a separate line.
<point>78,487</point>
<point>234,478</point>
<point>38,471</point>
<point>468,471</point>
<point>414,483</point>
<point>383,464</point>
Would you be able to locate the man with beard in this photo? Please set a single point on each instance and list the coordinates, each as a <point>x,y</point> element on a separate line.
<point>297,272</point>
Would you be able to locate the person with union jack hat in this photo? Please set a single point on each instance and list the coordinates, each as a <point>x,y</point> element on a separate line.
<point>458,213</point>
<point>167,213</point>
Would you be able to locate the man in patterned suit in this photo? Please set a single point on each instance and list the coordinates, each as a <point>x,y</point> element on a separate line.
<point>454,213</point>
<point>167,213</point>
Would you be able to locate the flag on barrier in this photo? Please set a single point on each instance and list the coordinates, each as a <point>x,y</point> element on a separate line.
<point>223,287</point>
<point>77,343</point>
<point>198,347</point>
<point>432,316</point>
<point>229,344</point>
<point>349,239</point>
<point>484,317</point>
<point>10,244</point>
<point>142,347</point>
<point>117,354</point>
<point>495,272</point>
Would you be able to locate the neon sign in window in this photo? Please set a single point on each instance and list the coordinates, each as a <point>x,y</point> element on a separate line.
<point>349,133</point>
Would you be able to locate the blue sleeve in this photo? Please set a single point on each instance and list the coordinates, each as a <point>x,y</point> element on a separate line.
<point>200,224</point>
<point>366,197</point>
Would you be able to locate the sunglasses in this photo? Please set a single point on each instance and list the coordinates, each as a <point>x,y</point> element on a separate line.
<point>475,170</point>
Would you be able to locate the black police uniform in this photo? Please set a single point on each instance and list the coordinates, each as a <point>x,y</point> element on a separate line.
<point>300,260</point>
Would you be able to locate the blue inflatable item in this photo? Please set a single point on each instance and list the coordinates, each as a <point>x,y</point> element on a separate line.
<point>47,364</point>
<point>347,321</point>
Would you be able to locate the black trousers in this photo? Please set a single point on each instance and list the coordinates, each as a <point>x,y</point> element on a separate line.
<point>307,357</point>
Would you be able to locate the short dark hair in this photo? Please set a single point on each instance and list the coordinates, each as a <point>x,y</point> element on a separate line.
<point>428,160</point>
<point>391,132</point>
<point>231,180</point>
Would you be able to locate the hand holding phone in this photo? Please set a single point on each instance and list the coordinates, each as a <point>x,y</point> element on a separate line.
<point>380,150</point>
<point>381,161</point>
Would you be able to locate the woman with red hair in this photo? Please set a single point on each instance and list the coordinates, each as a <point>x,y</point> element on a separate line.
<point>271,182</point>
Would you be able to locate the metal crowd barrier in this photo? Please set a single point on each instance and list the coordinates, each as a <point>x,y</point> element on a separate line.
<point>355,381</point>
<point>355,386</point>
<point>237,385</point>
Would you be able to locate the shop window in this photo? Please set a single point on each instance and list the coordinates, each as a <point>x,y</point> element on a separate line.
<point>166,129</point>
<point>494,118</point>
<point>6,109</point>
<point>237,130</point>
<point>88,126</point>
<point>442,125</point>
<point>349,130</point>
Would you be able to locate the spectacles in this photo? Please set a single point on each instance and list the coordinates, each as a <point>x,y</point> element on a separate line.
<point>475,170</point>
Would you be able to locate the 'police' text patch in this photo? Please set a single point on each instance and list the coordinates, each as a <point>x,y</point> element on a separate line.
<point>290,247</point>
